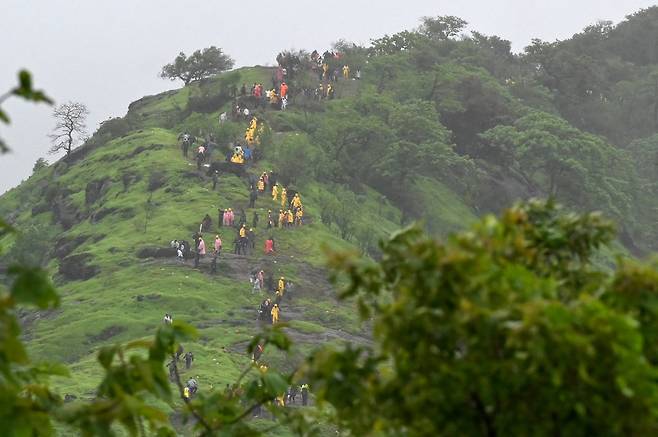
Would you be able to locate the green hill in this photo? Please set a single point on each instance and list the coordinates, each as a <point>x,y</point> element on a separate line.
<point>92,214</point>
<point>438,130</point>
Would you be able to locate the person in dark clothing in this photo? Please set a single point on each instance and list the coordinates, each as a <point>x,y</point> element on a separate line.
<point>206,224</point>
<point>189,357</point>
<point>220,217</point>
<point>236,244</point>
<point>304,394</point>
<point>172,371</point>
<point>197,258</point>
<point>199,160</point>
<point>213,265</point>
<point>243,219</point>
<point>252,198</point>
<point>179,352</point>
<point>215,178</point>
<point>251,237</point>
<point>258,351</point>
<point>269,282</point>
<point>254,222</point>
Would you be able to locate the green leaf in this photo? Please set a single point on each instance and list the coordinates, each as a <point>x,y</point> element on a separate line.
<point>271,335</point>
<point>275,384</point>
<point>25,90</point>
<point>106,355</point>
<point>32,285</point>
<point>25,79</point>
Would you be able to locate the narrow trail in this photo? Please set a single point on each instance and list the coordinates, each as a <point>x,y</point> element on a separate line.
<point>312,283</point>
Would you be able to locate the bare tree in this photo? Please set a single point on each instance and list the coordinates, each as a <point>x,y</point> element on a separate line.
<point>70,128</point>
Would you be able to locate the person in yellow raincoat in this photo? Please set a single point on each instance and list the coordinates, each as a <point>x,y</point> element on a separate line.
<point>290,217</point>
<point>275,192</point>
<point>237,158</point>
<point>296,201</point>
<point>243,232</point>
<point>284,198</point>
<point>346,71</point>
<point>281,285</point>
<point>282,218</point>
<point>261,185</point>
<point>275,314</point>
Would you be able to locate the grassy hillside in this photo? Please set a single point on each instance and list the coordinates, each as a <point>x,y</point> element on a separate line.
<point>96,211</point>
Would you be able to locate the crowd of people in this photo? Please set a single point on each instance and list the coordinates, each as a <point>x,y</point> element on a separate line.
<point>290,213</point>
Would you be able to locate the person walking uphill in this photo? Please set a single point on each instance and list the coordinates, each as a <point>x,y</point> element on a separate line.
<point>200,251</point>
<point>284,198</point>
<point>218,244</point>
<point>275,192</point>
<point>275,314</point>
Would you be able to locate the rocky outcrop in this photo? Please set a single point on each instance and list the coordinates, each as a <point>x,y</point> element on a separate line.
<point>156,252</point>
<point>124,213</point>
<point>66,245</point>
<point>77,267</point>
<point>66,213</point>
<point>96,190</point>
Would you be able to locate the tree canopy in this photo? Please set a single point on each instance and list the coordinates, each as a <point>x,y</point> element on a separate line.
<point>199,65</point>
<point>506,329</point>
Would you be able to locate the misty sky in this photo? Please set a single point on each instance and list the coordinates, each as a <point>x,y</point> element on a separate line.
<point>107,54</point>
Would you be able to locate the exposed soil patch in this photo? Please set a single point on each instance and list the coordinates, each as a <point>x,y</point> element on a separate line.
<point>141,149</point>
<point>124,213</point>
<point>148,298</point>
<point>105,334</point>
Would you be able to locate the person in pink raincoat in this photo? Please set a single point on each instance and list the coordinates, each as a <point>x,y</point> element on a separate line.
<point>218,244</point>
<point>202,247</point>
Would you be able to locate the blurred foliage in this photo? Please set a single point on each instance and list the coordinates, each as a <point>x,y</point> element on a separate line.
<point>505,329</point>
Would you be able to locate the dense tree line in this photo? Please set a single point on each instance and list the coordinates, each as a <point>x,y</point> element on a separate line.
<point>572,119</point>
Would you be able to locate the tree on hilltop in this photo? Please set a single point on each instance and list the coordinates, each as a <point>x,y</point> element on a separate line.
<point>199,65</point>
<point>70,128</point>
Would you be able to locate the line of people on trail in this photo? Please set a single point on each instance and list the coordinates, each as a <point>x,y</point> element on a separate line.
<point>276,97</point>
<point>322,66</point>
<point>291,212</point>
<point>191,386</point>
<point>270,310</point>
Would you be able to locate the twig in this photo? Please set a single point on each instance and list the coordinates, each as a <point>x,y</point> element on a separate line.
<point>6,95</point>
<point>196,415</point>
<point>245,413</point>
